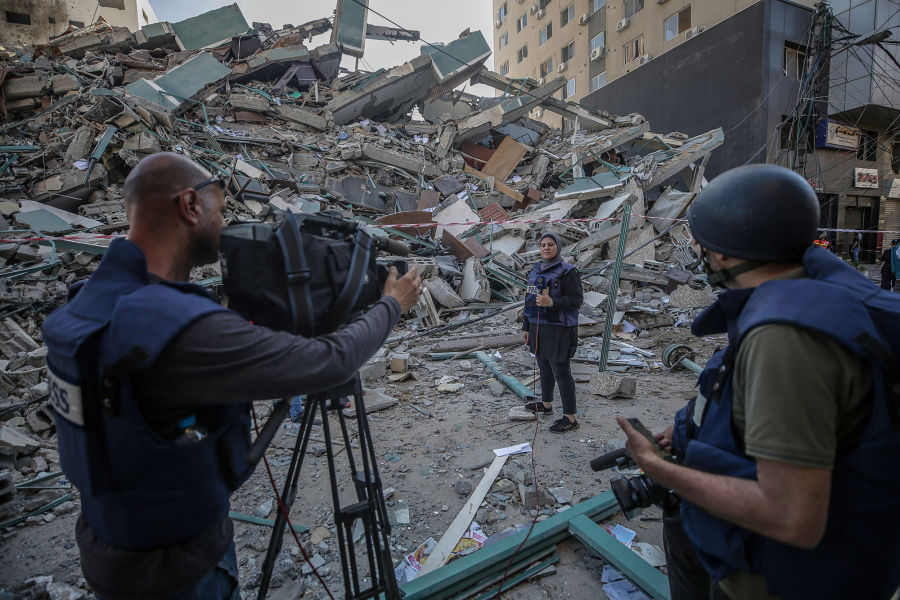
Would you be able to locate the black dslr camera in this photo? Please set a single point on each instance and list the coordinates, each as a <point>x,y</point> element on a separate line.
<point>639,492</point>
<point>308,276</point>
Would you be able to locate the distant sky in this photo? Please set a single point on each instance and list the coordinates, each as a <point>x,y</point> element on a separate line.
<point>437,22</point>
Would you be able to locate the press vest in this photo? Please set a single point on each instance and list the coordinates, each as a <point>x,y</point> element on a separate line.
<point>548,280</point>
<point>138,491</point>
<point>859,555</point>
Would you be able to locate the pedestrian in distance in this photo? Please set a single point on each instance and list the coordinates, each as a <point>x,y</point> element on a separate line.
<point>823,241</point>
<point>887,261</point>
<point>550,328</point>
<point>855,247</point>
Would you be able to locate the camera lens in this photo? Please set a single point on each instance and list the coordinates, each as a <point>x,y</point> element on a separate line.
<point>637,493</point>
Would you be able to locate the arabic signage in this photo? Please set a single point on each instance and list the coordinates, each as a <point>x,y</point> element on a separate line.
<point>831,134</point>
<point>865,178</point>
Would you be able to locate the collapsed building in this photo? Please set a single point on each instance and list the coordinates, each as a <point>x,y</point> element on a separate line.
<point>469,183</point>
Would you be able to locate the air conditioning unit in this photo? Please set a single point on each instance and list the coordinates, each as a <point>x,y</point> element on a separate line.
<point>519,1</point>
<point>701,29</point>
<point>562,67</point>
<point>623,24</point>
<point>660,1</point>
<point>645,59</point>
<point>598,53</point>
<point>542,81</point>
<point>690,33</point>
<point>584,20</point>
<point>534,8</point>
<point>540,14</point>
<point>498,24</point>
<point>538,113</point>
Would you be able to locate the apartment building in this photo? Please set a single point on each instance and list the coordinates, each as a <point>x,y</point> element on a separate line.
<point>28,21</point>
<point>594,42</point>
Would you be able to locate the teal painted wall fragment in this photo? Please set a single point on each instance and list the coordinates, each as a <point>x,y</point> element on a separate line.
<point>460,54</point>
<point>211,27</point>
<point>350,26</point>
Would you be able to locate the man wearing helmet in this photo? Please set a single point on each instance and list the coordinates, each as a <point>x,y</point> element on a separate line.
<point>789,484</point>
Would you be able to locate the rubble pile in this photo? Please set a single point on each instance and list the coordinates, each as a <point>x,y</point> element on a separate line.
<point>470,184</point>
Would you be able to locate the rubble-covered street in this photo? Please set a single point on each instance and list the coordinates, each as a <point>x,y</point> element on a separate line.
<point>469,183</point>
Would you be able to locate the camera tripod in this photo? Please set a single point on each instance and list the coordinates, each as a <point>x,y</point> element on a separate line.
<point>369,509</point>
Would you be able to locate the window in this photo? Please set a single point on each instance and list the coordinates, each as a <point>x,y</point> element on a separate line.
<point>634,49</point>
<point>632,7</point>
<point>51,20</point>
<point>117,4</point>
<point>794,62</point>
<point>144,14</point>
<point>598,82</point>
<point>677,24</point>
<point>547,68</point>
<point>598,41</point>
<point>504,40</point>
<point>567,14</point>
<point>568,124</point>
<point>77,24</point>
<point>546,33</point>
<point>868,146</point>
<point>895,158</point>
<point>569,90</point>
<point>522,54</point>
<point>522,22</point>
<point>504,69</point>
<point>501,14</point>
<point>18,18</point>
<point>568,52</point>
<point>597,5</point>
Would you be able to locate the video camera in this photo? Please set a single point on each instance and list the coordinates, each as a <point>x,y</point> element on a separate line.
<point>308,276</point>
<point>639,492</point>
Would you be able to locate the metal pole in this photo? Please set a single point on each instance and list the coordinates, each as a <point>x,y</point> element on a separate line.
<point>614,288</point>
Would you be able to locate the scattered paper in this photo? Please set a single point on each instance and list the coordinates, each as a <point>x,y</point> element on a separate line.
<point>517,449</point>
<point>397,377</point>
<point>623,534</point>
<point>652,554</point>
<point>81,165</point>
<point>495,354</point>
<point>610,574</point>
<point>516,179</point>
<point>409,567</point>
<point>623,590</point>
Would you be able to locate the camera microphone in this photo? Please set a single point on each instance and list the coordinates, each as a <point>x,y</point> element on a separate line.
<point>393,247</point>
<point>609,460</point>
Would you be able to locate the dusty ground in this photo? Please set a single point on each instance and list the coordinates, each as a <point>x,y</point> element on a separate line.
<point>421,457</point>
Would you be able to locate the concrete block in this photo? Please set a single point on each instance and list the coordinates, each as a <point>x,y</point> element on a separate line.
<point>410,163</point>
<point>304,117</point>
<point>443,293</point>
<point>251,102</point>
<point>14,440</point>
<point>612,386</point>
<point>400,362</point>
<point>25,87</point>
<point>63,84</point>
<point>372,370</point>
<point>81,144</point>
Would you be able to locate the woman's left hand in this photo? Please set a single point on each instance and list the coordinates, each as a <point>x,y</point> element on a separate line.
<point>544,299</point>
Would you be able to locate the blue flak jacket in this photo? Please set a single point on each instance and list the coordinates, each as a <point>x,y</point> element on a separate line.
<point>859,556</point>
<point>138,490</point>
<point>548,280</point>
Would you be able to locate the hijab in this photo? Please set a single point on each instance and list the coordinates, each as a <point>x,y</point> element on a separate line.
<point>548,263</point>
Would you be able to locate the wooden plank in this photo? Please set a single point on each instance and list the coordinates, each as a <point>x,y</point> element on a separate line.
<point>505,159</point>
<point>497,185</point>
<point>647,578</point>
<point>441,553</point>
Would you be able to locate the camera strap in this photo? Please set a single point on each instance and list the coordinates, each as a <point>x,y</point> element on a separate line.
<point>298,275</point>
<point>346,300</point>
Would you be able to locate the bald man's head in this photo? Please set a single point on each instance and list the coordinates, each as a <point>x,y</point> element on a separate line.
<point>161,176</point>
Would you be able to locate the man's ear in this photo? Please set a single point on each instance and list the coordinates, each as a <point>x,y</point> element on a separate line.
<point>191,207</point>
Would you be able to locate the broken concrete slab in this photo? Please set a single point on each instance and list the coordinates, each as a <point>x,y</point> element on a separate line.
<point>211,27</point>
<point>304,117</point>
<point>612,386</point>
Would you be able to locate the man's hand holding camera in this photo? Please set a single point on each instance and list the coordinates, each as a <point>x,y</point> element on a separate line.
<point>405,290</point>
<point>640,449</point>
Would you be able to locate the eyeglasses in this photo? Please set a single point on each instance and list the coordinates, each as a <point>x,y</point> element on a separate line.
<point>217,178</point>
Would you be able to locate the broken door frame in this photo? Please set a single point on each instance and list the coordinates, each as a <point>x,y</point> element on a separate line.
<point>579,521</point>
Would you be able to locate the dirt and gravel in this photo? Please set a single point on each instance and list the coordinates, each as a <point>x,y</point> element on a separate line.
<point>421,458</point>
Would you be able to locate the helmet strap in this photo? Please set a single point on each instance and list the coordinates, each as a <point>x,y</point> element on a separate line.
<point>718,278</point>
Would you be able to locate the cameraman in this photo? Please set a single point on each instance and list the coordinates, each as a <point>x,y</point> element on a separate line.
<point>152,381</point>
<point>790,485</point>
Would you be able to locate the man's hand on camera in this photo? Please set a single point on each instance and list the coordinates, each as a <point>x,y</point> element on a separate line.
<point>639,447</point>
<point>405,290</point>
<point>665,438</point>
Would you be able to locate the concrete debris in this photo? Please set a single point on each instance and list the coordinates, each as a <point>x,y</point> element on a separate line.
<point>469,183</point>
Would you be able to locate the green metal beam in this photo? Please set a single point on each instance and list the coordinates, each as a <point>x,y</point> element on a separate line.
<point>514,581</point>
<point>511,382</point>
<point>39,511</point>
<point>462,573</point>
<point>506,278</point>
<point>265,522</point>
<point>618,555</point>
<point>614,289</point>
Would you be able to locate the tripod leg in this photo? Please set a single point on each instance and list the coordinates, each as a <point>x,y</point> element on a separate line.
<point>287,496</point>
